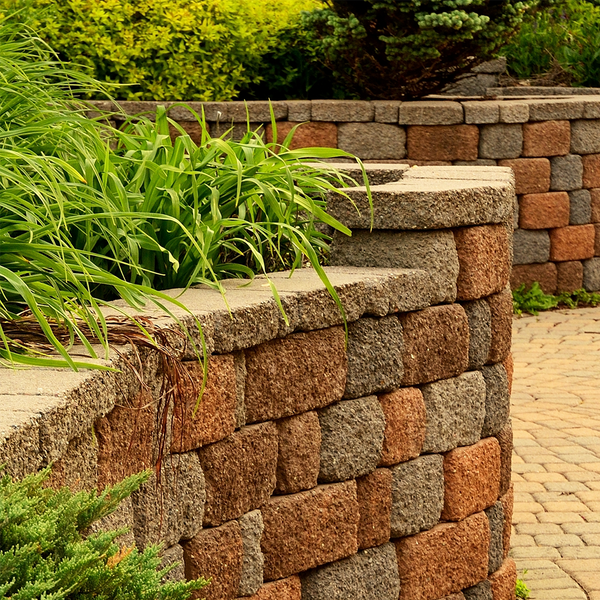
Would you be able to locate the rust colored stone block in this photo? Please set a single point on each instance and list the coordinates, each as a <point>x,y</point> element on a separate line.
<point>444,560</point>
<point>305,530</point>
<point>544,211</point>
<point>544,273</point>
<point>569,276</point>
<point>443,142</point>
<point>484,259</point>
<point>546,138</point>
<point>299,453</point>
<point>504,581</point>
<point>597,239</point>
<point>595,201</point>
<point>374,493</point>
<point>505,439</point>
<point>216,554</point>
<point>239,472</point>
<point>510,369</point>
<point>308,135</point>
<point>125,440</point>
<point>436,344</point>
<point>507,500</point>
<point>591,170</point>
<point>405,421</point>
<point>295,374</point>
<point>532,175</point>
<point>283,589</point>
<point>471,479</point>
<point>501,307</point>
<point>575,242</point>
<point>215,417</point>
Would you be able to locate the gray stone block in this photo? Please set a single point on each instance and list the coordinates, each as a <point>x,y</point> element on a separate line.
<point>472,84</point>
<point>299,110</point>
<point>494,66</point>
<point>374,356</point>
<point>591,274</point>
<point>585,137</point>
<point>432,251</point>
<point>495,515</point>
<point>430,112</point>
<point>552,109</point>
<point>370,574</point>
<point>352,434</point>
<point>580,202</point>
<point>513,111</point>
<point>343,111</point>
<point>251,526</point>
<point>481,112</point>
<point>530,246</point>
<point>258,111</point>
<point>386,111</point>
<point>173,556</point>
<point>481,591</point>
<point>567,173</point>
<point>480,332</point>
<point>417,495</point>
<point>497,399</point>
<point>121,518</point>
<point>500,141</point>
<point>372,141</point>
<point>455,411</point>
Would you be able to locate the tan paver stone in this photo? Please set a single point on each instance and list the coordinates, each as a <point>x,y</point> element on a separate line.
<point>528,487</point>
<point>581,528</point>
<point>591,539</point>
<point>534,552</point>
<point>559,517</point>
<point>565,486</point>
<point>558,540</point>
<point>581,553</point>
<point>531,507</point>
<point>519,541</point>
<point>523,517</point>
<point>539,528</point>
<point>565,507</point>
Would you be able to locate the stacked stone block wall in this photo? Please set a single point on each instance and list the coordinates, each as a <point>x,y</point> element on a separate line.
<point>320,464</point>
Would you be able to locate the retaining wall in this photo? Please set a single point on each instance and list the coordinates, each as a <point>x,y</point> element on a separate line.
<point>552,144</point>
<point>318,468</point>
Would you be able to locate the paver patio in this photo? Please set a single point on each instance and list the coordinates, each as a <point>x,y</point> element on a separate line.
<point>556,461</point>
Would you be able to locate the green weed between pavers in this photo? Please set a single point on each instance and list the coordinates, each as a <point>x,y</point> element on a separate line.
<point>522,591</point>
<point>534,300</point>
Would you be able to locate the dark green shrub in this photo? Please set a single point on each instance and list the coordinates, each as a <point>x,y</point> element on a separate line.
<point>409,48</point>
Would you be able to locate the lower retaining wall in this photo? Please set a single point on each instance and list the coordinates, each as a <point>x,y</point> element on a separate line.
<point>376,467</point>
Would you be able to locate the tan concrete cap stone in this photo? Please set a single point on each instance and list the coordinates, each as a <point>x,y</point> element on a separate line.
<point>461,173</point>
<point>430,112</point>
<point>552,109</point>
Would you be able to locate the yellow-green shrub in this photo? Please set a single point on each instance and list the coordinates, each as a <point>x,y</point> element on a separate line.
<point>165,49</point>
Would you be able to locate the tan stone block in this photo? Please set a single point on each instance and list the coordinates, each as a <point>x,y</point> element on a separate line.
<point>444,560</point>
<point>295,374</point>
<point>544,211</point>
<point>591,170</point>
<point>405,421</point>
<point>374,493</point>
<point>442,142</point>
<point>501,308</point>
<point>575,242</point>
<point>307,135</point>
<point>504,581</point>
<point>532,175</point>
<point>283,589</point>
<point>569,276</point>
<point>546,138</point>
<point>545,274</point>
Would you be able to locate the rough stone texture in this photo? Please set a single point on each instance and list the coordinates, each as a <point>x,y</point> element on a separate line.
<point>484,259</point>
<point>170,509</point>
<point>122,518</point>
<point>510,368</point>
<point>305,530</point>
<point>455,411</point>
<point>545,274</point>
<point>308,135</point>
<point>575,242</point>
<point>591,274</point>
<point>436,344</point>
<point>480,332</point>
<point>554,108</point>
<point>532,175</point>
<point>295,374</point>
<point>597,239</point>
<point>569,276</point>
<point>495,515</point>
<point>497,399</point>
<point>283,589</point>
<point>481,591</point>
<point>585,137</point>
<point>239,472</point>
<point>299,453</point>
<point>215,418</point>
<point>514,112</point>
<point>374,141</point>
<point>216,554</point>
<point>342,110</point>
<point>544,211</point>
<point>374,356</point>
<point>351,438</point>
<point>591,170</point>
<point>481,112</point>
<point>417,495</point>
<point>443,142</point>
<point>581,207</point>
<point>251,528</point>
<point>173,556</point>
<point>500,141</point>
<point>505,439</point>
<point>386,111</point>
<point>374,494</point>
<point>530,247</point>
<point>239,361</point>
<point>501,307</point>
<point>299,110</point>
<point>546,138</point>
<point>444,560</point>
<point>504,581</point>
<point>432,251</point>
<point>567,173</point>
<point>371,574</point>
<point>405,417</point>
<point>428,112</point>
<point>471,479</point>
<point>256,110</point>
<point>507,501</point>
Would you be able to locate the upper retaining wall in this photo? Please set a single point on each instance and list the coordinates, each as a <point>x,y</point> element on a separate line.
<point>318,468</point>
